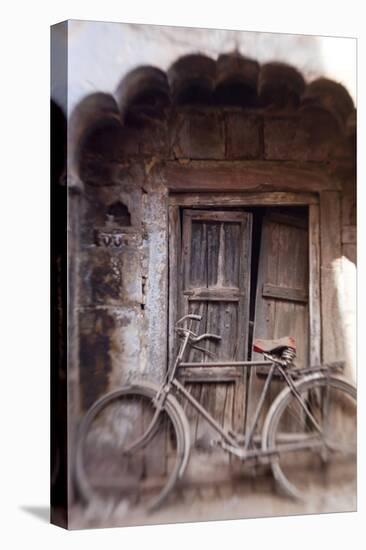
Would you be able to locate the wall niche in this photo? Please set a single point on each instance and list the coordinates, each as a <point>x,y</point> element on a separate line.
<point>117,226</point>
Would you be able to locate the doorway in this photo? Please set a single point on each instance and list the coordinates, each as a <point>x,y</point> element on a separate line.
<point>246,272</point>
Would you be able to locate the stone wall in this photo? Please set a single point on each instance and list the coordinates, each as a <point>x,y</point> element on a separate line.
<point>123,261</point>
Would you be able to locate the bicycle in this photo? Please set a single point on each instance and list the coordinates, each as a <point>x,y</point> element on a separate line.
<point>134,443</point>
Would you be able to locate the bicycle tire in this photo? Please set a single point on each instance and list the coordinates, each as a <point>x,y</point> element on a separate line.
<point>105,408</point>
<point>327,467</point>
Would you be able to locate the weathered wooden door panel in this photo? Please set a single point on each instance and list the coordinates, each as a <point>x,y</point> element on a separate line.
<point>283,283</point>
<point>216,277</point>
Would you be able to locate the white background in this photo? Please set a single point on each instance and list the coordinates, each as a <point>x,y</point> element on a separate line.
<point>24,288</point>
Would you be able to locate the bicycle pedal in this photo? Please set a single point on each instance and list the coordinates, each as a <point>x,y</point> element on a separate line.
<point>240,453</point>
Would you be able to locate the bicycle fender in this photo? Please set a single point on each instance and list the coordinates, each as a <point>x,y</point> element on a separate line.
<point>185,433</point>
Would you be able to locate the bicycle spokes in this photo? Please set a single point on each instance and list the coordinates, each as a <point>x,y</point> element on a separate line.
<point>310,461</point>
<point>128,450</point>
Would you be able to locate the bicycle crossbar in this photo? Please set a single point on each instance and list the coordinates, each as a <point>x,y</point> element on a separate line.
<point>228,364</point>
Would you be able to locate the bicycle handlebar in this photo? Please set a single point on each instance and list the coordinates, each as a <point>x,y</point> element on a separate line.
<point>195,338</point>
<point>207,335</point>
<point>192,316</point>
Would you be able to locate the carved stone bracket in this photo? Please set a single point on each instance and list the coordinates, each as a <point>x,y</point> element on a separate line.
<point>114,238</point>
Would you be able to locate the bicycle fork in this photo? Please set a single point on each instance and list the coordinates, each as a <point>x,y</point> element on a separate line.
<point>158,401</point>
<point>147,436</point>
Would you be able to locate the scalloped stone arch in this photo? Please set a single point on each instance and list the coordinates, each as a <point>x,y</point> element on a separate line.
<point>198,80</point>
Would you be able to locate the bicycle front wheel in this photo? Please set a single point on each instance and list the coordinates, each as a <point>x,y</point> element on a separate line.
<point>128,453</point>
<point>315,446</point>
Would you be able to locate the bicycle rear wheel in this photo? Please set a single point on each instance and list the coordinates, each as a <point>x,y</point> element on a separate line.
<point>311,462</point>
<point>123,455</point>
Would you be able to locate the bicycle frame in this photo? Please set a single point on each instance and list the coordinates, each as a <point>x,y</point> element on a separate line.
<point>264,446</point>
<point>231,438</point>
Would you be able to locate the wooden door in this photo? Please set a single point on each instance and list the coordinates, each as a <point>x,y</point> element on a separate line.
<point>283,283</point>
<point>215,270</point>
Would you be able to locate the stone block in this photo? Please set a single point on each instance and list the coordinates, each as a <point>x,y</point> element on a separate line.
<point>111,276</point>
<point>243,136</point>
<point>153,137</point>
<point>279,136</point>
<point>150,127</point>
<point>198,135</point>
<point>308,137</point>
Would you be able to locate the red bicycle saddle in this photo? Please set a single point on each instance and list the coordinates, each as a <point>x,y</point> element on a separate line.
<point>268,346</point>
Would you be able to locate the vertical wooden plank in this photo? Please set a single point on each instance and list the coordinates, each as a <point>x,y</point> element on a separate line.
<point>331,253</point>
<point>314,286</point>
<point>265,310</point>
<point>213,253</point>
<point>228,420</point>
<point>244,284</point>
<point>241,350</point>
<point>197,270</point>
<point>231,258</point>
<point>198,308</point>
<point>184,269</point>
<point>196,390</point>
<point>222,322</point>
<point>293,272</point>
<point>207,395</point>
<point>183,274</point>
<point>174,278</point>
<point>196,275</point>
<point>219,322</point>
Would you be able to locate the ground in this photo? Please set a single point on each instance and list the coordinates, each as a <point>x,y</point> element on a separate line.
<point>248,498</point>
